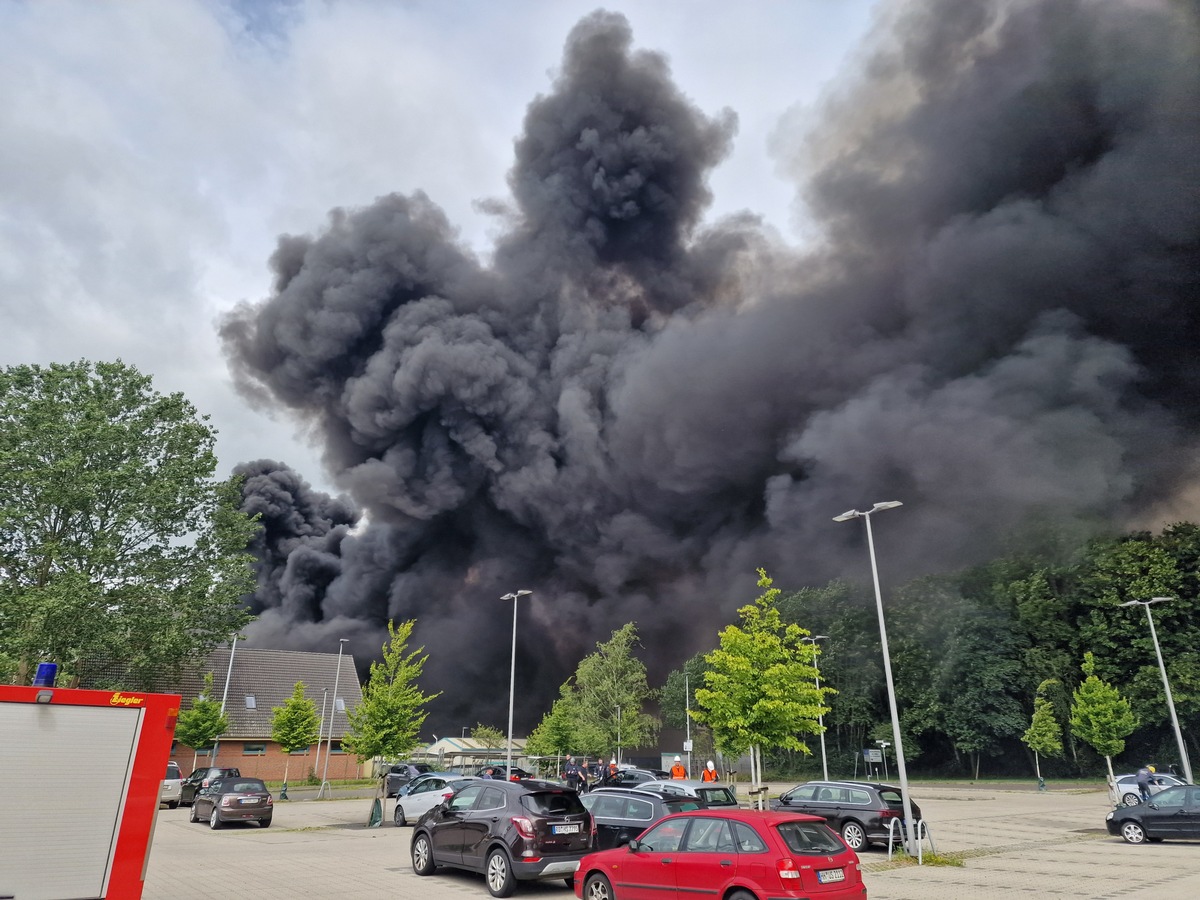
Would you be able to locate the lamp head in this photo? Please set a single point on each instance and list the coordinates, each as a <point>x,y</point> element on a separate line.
<point>886,504</point>
<point>847,515</point>
<point>516,595</point>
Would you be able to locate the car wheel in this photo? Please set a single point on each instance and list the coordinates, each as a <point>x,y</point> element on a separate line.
<point>1133,833</point>
<point>854,836</point>
<point>741,895</point>
<point>422,855</point>
<point>499,875</point>
<point>597,888</point>
<point>398,816</point>
<point>192,817</point>
<point>214,820</point>
<point>174,804</point>
<point>265,823</point>
<point>1131,799</point>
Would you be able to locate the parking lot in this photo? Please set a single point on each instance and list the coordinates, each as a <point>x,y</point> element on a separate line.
<point>1019,843</point>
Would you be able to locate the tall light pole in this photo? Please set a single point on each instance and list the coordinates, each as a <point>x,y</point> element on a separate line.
<point>909,825</point>
<point>225,694</point>
<point>820,716</point>
<point>332,714</point>
<point>512,677</point>
<point>1183,754</point>
<point>618,735</point>
<point>687,718</point>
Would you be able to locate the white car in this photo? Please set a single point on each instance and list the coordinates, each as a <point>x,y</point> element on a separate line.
<point>1127,789</point>
<point>172,786</point>
<point>425,795</point>
<point>707,792</point>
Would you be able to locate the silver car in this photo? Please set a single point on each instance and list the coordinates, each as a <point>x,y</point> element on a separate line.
<point>172,786</point>
<point>425,795</point>
<point>1127,789</point>
<point>706,792</point>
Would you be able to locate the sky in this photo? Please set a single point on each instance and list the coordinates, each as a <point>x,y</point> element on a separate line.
<point>619,307</point>
<point>153,153</point>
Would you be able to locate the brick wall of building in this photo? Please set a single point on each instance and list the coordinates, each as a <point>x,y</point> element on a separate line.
<point>269,764</point>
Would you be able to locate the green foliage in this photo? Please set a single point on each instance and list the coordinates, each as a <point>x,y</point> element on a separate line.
<point>1099,714</point>
<point>295,725</point>
<point>1044,734</point>
<point>760,689</point>
<point>119,553</point>
<point>555,734</point>
<point>199,726</point>
<point>387,722</point>
<point>487,736</point>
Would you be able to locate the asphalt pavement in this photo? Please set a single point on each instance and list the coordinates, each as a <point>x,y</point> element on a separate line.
<point>1017,843</point>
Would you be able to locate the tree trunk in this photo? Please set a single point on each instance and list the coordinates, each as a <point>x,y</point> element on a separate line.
<point>286,762</point>
<point>1112,781</point>
<point>1037,766</point>
<point>978,757</point>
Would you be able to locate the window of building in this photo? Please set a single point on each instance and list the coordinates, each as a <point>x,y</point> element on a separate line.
<point>339,704</point>
<point>303,751</point>
<point>336,747</point>
<point>251,703</point>
<point>254,749</point>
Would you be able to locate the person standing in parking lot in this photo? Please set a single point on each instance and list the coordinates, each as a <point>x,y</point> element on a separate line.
<point>678,772</point>
<point>572,775</point>
<point>709,773</point>
<point>1143,782</point>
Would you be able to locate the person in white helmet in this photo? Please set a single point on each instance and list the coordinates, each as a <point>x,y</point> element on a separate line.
<point>710,773</point>
<point>678,772</point>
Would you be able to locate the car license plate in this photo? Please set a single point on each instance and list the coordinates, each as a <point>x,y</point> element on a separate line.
<point>248,800</point>
<point>830,875</point>
<point>566,829</point>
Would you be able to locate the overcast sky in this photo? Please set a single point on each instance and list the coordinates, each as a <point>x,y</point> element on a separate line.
<point>152,153</point>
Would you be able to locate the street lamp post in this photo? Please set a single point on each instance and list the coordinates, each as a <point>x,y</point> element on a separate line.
<point>225,694</point>
<point>820,716</point>
<point>1183,754</point>
<point>909,824</point>
<point>512,677</point>
<point>332,715</point>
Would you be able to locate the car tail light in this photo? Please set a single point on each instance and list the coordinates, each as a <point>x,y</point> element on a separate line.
<point>270,801</point>
<point>227,800</point>
<point>592,839</point>
<point>524,827</point>
<point>890,813</point>
<point>787,869</point>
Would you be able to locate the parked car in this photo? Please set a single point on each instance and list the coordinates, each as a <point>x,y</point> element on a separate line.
<point>400,774</point>
<point>172,786</point>
<point>409,786</point>
<point>233,798</point>
<point>711,794</point>
<point>621,814</point>
<point>201,778</point>
<point>509,831</point>
<point>859,810</point>
<point>734,853</point>
<point>1172,813</point>
<point>630,777</point>
<point>499,771</point>
<point>426,794</point>
<point>1127,789</point>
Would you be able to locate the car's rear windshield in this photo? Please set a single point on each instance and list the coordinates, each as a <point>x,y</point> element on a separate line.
<point>245,785</point>
<point>173,771</point>
<point>674,805</point>
<point>553,803</point>
<point>809,837</point>
<point>717,796</point>
<point>892,798</point>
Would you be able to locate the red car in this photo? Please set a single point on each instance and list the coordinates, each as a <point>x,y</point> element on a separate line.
<point>741,854</point>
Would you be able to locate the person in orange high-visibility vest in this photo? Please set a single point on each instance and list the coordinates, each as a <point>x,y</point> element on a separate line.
<point>709,773</point>
<point>678,772</point>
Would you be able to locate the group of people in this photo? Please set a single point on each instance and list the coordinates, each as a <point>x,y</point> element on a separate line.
<point>679,772</point>
<point>580,777</point>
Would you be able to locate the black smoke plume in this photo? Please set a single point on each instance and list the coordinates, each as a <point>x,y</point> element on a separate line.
<point>627,411</point>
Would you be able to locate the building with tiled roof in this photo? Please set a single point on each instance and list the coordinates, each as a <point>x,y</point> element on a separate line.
<point>258,682</point>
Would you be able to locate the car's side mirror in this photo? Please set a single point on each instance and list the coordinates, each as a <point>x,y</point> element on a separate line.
<point>634,846</point>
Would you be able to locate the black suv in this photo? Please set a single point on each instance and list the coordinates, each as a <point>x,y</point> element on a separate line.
<point>201,778</point>
<point>621,814</point>
<point>509,831</point>
<point>860,810</point>
<point>400,774</point>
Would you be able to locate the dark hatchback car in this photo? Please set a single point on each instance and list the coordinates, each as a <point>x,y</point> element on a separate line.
<point>400,774</point>
<point>630,777</point>
<point>200,779</point>
<point>509,831</point>
<point>1173,813</point>
<point>233,798</point>
<point>621,814</point>
<point>499,771</point>
<point>858,810</point>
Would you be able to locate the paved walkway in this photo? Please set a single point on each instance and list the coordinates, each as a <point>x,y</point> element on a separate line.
<point>1018,844</point>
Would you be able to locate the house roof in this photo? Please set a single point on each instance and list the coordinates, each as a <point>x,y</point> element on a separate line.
<point>269,677</point>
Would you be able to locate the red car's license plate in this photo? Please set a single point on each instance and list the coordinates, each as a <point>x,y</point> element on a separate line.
<point>830,875</point>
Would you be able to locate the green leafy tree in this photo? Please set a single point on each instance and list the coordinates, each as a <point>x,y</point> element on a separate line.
<point>611,693</point>
<point>555,734</point>
<point>199,726</point>
<point>121,558</point>
<point>487,736</point>
<point>1101,716</point>
<point>760,689</point>
<point>295,725</point>
<point>1044,734</point>
<point>389,719</point>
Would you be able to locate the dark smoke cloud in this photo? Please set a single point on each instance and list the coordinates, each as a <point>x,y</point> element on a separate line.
<point>627,411</point>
